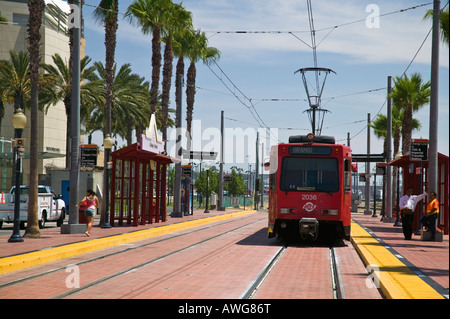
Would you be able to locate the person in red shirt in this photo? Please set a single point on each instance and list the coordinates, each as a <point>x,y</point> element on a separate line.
<point>429,219</point>
<point>92,203</point>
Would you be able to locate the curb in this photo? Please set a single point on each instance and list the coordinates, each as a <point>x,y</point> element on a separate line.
<point>394,278</point>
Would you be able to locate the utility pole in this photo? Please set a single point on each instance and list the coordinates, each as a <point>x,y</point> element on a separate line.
<point>220,204</point>
<point>74,227</point>
<point>256,174</point>
<point>367,188</point>
<point>433,137</point>
<point>388,195</point>
<point>178,149</point>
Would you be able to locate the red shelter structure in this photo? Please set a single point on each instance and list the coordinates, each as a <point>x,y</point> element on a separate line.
<point>411,173</point>
<point>138,181</point>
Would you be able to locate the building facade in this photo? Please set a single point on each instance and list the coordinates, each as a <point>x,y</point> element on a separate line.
<point>52,125</point>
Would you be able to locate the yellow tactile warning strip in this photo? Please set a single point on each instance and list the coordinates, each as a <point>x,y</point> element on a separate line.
<point>35,258</point>
<point>394,278</point>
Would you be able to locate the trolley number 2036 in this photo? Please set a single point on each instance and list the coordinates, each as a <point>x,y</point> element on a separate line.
<point>309,197</point>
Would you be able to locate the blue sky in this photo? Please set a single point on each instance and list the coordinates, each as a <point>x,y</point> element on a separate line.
<point>261,66</point>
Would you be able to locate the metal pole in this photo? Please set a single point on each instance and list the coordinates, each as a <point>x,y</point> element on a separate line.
<point>388,194</point>
<point>207,191</point>
<point>177,183</point>
<point>74,227</point>
<point>375,195</point>
<point>106,223</point>
<point>220,206</point>
<point>433,140</point>
<point>367,188</point>
<point>255,197</point>
<point>15,237</point>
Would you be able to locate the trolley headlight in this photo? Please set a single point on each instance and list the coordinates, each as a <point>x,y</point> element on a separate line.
<point>288,210</point>
<point>330,211</point>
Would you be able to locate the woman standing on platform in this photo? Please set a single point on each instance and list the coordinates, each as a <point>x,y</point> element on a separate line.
<point>91,203</point>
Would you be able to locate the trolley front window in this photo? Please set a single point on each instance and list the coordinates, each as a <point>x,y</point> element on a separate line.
<point>309,174</point>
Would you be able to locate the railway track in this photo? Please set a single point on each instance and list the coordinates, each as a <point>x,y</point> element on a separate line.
<point>225,260</point>
<point>104,256</point>
<point>337,288</point>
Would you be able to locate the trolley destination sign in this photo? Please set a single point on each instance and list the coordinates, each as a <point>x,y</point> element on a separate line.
<point>418,150</point>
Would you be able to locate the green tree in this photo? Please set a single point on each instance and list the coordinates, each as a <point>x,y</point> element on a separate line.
<point>197,51</point>
<point>213,185</point>
<point>106,13</point>
<point>61,90</point>
<point>152,16</point>
<point>14,81</point>
<point>409,95</point>
<point>237,184</point>
<point>178,20</point>
<point>128,105</point>
<point>443,23</point>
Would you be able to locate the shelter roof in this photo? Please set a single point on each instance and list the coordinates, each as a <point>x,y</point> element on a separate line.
<point>404,161</point>
<point>135,151</point>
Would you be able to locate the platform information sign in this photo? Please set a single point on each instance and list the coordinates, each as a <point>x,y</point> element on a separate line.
<point>418,150</point>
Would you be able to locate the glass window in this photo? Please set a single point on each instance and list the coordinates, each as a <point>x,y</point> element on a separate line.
<point>309,174</point>
<point>20,19</point>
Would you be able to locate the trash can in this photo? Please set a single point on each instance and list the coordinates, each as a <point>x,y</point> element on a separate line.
<point>81,216</point>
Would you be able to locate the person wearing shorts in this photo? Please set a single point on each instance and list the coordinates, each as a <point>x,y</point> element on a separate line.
<point>91,203</point>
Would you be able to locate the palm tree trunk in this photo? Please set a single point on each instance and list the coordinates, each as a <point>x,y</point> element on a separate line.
<point>190,95</point>
<point>36,8</point>
<point>156,67</point>
<point>167,80</point>
<point>407,130</point>
<point>179,71</point>
<point>111,27</point>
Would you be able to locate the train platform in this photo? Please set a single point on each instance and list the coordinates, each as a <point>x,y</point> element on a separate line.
<point>403,269</point>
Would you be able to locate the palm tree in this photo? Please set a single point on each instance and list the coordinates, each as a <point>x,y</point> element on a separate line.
<point>409,95</point>
<point>36,9</point>
<point>61,89</point>
<point>199,50</point>
<point>380,127</point>
<point>178,21</point>
<point>14,81</point>
<point>129,99</point>
<point>152,16</point>
<point>107,12</point>
<point>444,24</point>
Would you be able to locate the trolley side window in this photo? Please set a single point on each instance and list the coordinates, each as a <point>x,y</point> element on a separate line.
<point>347,175</point>
<point>309,174</point>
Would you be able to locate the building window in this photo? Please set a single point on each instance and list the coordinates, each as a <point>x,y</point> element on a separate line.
<point>20,19</point>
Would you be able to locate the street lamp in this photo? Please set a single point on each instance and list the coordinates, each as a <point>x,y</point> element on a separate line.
<point>107,144</point>
<point>19,120</point>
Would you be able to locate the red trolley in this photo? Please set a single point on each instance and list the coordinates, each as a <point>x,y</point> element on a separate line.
<point>310,187</point>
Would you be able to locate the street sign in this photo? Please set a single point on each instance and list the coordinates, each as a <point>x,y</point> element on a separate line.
<point>418,150</point>
<point>187,169</point>
<point>88,155</point>
<point>227,178</point>
<point>368,158</point>
<point>380,169</point>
